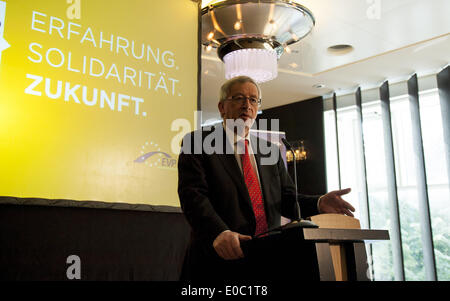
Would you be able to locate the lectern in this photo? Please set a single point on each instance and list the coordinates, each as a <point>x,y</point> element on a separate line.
<point>340,247</point>
<point>334,251</point>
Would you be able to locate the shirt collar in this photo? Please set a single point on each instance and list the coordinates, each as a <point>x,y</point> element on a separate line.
<point>232,137</point>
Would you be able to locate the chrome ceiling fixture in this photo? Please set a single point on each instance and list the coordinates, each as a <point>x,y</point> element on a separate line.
<point>251,35</point>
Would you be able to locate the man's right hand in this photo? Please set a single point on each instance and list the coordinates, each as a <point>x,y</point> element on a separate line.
<point>228,245</point>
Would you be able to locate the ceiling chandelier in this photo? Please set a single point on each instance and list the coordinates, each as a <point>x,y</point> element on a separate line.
<point>251,35</point>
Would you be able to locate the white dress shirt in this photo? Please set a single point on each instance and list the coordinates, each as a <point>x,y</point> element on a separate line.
<point>238,145</point>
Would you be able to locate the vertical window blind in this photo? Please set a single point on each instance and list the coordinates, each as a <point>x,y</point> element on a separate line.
<point>391,145</point>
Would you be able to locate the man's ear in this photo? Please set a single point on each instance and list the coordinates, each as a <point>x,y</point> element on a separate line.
<point>221,108</point>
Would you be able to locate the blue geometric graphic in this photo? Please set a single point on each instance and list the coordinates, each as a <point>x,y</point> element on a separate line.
<point>3,44</point>
<point>148,155</point>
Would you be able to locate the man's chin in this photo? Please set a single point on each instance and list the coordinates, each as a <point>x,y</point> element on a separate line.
<point>246,118</point>
<point>243,121</point>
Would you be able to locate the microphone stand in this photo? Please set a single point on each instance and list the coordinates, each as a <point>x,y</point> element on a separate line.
<point>299,222</point>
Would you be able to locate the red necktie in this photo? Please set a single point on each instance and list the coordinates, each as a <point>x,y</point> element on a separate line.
<point>254,191</point>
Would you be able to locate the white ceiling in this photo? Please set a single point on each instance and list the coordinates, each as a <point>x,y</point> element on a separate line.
<point>392,39</point>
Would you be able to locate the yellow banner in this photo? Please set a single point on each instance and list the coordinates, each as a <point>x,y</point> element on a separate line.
<point>89,90</point>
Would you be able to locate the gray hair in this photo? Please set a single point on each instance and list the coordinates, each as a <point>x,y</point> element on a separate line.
<point>226,87</point>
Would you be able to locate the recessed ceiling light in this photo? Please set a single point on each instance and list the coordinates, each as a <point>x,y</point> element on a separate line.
<point>340,49</point>
<point>319,86</point>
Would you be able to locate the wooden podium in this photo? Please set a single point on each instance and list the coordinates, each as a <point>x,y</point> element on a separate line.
<point>340,247</point>
<point>333,252</point>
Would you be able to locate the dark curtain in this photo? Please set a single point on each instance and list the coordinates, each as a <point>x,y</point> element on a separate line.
<point>112,241</point>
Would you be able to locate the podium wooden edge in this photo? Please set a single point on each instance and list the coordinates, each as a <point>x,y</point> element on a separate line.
<point>329,234</point>
<point>340,246</point>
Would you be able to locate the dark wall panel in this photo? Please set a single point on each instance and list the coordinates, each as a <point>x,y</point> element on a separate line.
<point>303,120</point>
<point>111,244</point>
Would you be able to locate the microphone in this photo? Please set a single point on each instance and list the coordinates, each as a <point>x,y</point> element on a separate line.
<point>299,222</point>
<point>297,206</point>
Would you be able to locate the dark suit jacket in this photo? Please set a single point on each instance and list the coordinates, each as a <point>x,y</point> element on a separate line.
<point>214,198</point>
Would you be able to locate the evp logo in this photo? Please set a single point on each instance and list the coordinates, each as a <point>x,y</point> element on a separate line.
<point>152,156</point>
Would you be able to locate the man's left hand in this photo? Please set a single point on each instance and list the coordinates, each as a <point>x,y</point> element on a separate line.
<point>333,203</point>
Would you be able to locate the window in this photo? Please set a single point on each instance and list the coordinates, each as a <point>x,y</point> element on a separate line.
<point>348,150</point>
<point>437,179</point>
<point>379,212</point>
<point>407,189</point>
<point>330,153</point>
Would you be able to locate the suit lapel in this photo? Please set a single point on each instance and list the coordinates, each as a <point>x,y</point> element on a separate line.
<point>231,166</point>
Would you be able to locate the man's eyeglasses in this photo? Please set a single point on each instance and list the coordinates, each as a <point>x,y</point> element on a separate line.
<point>241,98</point>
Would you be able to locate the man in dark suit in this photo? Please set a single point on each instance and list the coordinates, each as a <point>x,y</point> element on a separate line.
<point>229,190</point>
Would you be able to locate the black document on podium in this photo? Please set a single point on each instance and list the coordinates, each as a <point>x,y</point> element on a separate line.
<point>281,255</point>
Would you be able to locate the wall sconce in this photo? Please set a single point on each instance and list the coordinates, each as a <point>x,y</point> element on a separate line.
<point>300,152</point>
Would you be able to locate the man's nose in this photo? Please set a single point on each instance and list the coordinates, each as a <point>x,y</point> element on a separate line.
<point>247,103</point>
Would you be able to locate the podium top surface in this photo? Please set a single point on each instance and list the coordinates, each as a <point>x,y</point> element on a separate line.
<point>324,234</point>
